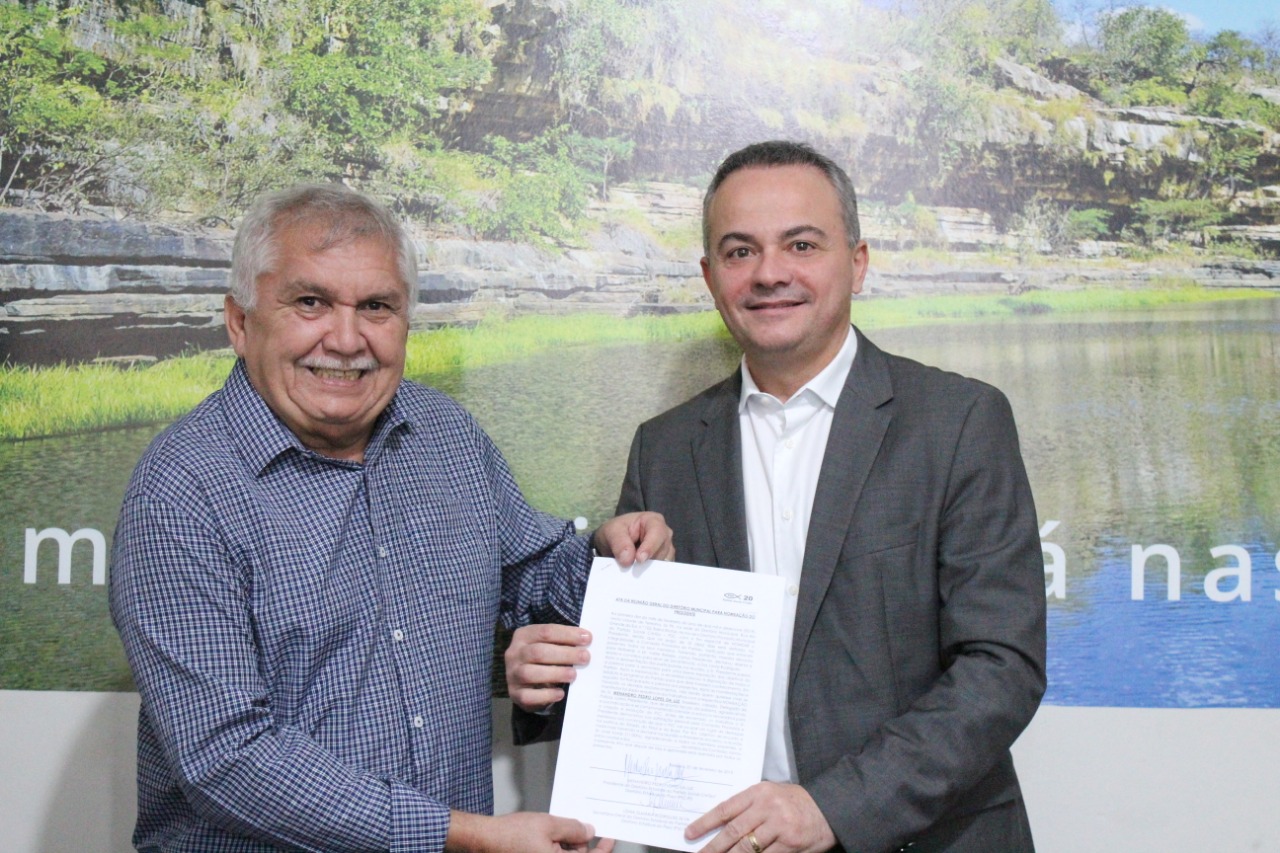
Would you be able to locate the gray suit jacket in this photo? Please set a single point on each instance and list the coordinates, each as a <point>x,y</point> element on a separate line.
<point>919,650</point>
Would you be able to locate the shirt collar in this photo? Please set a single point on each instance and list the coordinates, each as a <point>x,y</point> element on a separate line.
<point>263,436</point>
<point>827,385</point>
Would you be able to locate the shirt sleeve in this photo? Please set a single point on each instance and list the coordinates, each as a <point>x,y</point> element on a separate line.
<point>182,610</point>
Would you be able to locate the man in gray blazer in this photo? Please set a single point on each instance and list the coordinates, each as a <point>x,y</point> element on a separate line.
<point>893,499</point>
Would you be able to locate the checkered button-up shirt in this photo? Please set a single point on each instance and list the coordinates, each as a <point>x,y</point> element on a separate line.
<point>311,638</point>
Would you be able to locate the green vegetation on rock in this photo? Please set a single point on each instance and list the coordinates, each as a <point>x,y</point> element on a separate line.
<point>186,112</point>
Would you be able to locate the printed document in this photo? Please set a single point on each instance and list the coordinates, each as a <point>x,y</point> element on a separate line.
<point>669,717</point>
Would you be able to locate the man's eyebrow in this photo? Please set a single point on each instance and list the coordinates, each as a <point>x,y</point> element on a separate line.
<point>302,285</point>
<point>794,231</point>
<point>734,237</point>
<point>803,229</point>
<point>297,286</point>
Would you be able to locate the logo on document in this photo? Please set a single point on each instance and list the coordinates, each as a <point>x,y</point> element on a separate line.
<point>738,598</point>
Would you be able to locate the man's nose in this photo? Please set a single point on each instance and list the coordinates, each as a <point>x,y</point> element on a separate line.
<point>773,270</point>
<point>345,335</point>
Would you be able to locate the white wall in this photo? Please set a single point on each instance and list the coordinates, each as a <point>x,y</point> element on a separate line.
<point>1159,780</point>
<point>66,771</point>
<point>1096,779</point>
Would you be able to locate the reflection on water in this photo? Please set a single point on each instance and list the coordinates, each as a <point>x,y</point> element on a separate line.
<point>1147,430</point>
<point>1158,653</point>
<point>1137,430</point>
<point>564,420</point>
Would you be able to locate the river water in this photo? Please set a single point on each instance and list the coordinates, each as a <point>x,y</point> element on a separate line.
<point>1138,429</point>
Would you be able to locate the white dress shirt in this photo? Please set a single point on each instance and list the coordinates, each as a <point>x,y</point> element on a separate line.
<point>782,449</point>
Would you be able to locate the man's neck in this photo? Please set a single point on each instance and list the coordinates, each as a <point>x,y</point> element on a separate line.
<point>782,379</point>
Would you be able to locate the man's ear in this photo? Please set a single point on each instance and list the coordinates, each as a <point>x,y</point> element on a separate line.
<point>861,260</point>
<point>234,317</point>
<point>709,279</point>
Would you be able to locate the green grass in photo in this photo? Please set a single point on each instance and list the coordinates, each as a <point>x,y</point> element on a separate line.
<point>67,399</point>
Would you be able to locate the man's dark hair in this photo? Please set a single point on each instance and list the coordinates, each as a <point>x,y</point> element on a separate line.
<point>784,152</point>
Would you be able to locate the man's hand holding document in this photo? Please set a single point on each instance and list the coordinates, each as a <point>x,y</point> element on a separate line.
<point>668,719</point>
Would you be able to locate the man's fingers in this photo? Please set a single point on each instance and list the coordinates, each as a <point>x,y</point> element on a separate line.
<point>768,816</point>
<point>548,645</point>
<point>540,659</point>
<point>570,832</point>
<point>634,537</point>
<point>547,632</point>
<point>532,685</point>
<point>735,818</point>
<point>654,537</point>
<point>548,655</point>
<point>529,675</point>
<point>719,816</point>
<point>730,839</point>
<point>533,698</point>
<point>619,539</point>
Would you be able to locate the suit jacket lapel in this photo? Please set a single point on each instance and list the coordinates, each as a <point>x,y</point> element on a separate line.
<point>857,429</point>
<point>717,464</point>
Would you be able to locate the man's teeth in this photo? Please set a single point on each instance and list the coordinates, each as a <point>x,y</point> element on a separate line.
<point>332,373</point>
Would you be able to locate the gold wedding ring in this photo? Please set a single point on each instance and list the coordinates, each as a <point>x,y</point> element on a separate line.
<point>755,845</point>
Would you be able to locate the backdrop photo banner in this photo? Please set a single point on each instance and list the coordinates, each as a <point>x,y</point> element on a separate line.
<point>1078,203</point>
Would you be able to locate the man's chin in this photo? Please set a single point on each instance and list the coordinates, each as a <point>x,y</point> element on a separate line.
<point>772,344</point>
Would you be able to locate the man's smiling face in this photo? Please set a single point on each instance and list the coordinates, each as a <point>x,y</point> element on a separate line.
<point>781,270</point>
<point>324,343</point>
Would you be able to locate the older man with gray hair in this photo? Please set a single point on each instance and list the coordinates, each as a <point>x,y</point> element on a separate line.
<point>309,566</point>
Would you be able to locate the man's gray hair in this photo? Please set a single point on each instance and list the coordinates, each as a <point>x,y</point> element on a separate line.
<point>345,214</point>
<point>783,152</point>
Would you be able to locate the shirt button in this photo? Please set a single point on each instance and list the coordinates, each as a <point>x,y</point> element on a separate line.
<point>397,635</point>
<point>791,443</point>
<point>382,552</point>
<point>418,722</point>
<point>786,515</point>
<point>793,590</point>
